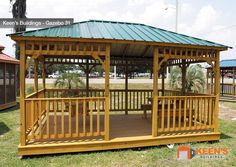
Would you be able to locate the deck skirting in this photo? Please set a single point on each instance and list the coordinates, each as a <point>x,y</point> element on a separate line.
<point>117,143</point>
<point>8,105</point>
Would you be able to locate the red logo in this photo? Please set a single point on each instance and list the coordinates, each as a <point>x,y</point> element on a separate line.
<point>185,152</point>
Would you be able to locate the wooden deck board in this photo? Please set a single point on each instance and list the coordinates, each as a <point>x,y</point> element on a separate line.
<point>121,126</point>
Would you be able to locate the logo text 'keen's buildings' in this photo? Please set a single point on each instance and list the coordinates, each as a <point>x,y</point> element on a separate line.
<point>185,152</point>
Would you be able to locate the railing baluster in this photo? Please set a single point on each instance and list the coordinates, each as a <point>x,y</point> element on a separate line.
<point>77,118</point>
<point>174,113</point>
<point>180,110</point>
<point>32,119</point>
<point>210,112</point>
<point>48,118</point>
<point>191,113</point>
<point>84,117</point>
<point>55,118</point>
<point>91,116</point>
<point>168,117</point>
<point>200,113</point>
<point>63,118</point>
<point>162,114</point>
<point>137,105</point>
<point>195,113</point>
<point>205,112</point>
<point>70,115</point>
<point>185,108</point>
<point>40,119</point>
<point>98,118</point>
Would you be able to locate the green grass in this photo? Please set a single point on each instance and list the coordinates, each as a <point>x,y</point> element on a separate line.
<point>152,156</point>
<point>229,104</point>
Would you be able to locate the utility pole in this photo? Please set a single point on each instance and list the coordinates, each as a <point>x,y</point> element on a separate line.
<point>176,16</point>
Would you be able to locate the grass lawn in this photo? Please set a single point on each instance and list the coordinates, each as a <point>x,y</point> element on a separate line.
<point>152,156</point>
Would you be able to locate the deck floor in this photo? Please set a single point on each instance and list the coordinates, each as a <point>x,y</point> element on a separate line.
<point>121,126</point>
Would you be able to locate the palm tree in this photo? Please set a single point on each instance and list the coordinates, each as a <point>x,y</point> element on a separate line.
<point>195,79</point>
<point>175,79</point>
<point>69,81</point>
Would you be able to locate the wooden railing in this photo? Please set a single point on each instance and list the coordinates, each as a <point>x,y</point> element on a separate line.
<point>186,113</point>
<point>56,118</point>
<point>227,89</point>
<point>39,94</point>
<point>135,97</point>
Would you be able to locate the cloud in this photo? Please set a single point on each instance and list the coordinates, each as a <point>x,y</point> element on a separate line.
<point>195,18</point>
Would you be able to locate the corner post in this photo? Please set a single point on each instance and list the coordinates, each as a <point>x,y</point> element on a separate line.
<point>155,93</point>
<point>22,94</point>
<point>217,90</point>
<point>107,93</point>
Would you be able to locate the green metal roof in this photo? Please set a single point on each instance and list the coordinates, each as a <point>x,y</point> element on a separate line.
<point>97,29</point>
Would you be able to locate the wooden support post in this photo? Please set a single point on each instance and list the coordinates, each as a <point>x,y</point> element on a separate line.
<point>217,90</point>
<point>155,94</point>
<point>43,74</point>
<point>22,94</point>
<point>107,93</point>
<point>163,81</point>
<point>126,86</point>
<point>184,68</point>
<point>87,77</point>
<point>36,75</point>
<point>234,81</point>
<point>222,83</point>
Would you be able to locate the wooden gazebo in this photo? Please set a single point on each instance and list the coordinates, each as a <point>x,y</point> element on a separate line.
<point>7,80</point>
<point>52,122</point>
<point>227,69</point>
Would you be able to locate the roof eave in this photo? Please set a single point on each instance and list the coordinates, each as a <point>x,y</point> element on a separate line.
<point>98,40</point>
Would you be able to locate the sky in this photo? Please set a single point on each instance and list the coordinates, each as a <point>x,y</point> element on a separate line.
<point>214,20</point>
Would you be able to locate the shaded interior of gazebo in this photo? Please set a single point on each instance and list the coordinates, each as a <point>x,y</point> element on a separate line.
<point>101,119</point>
<point>8,84</point>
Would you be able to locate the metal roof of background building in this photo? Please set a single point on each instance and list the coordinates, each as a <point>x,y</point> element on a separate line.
<point>97,29</point>
<point>6,58</point>
<point>228,63</point>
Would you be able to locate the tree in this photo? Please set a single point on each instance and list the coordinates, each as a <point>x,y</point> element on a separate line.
<point>175,79</point>
<point>195,80</point>
<point>18,12</point>
<point>69,81</point>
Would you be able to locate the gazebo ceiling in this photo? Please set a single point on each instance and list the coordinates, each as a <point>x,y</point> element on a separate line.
<point>118,31</point>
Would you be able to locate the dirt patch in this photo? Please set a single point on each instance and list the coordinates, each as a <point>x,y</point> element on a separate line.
<point>227,113</point>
